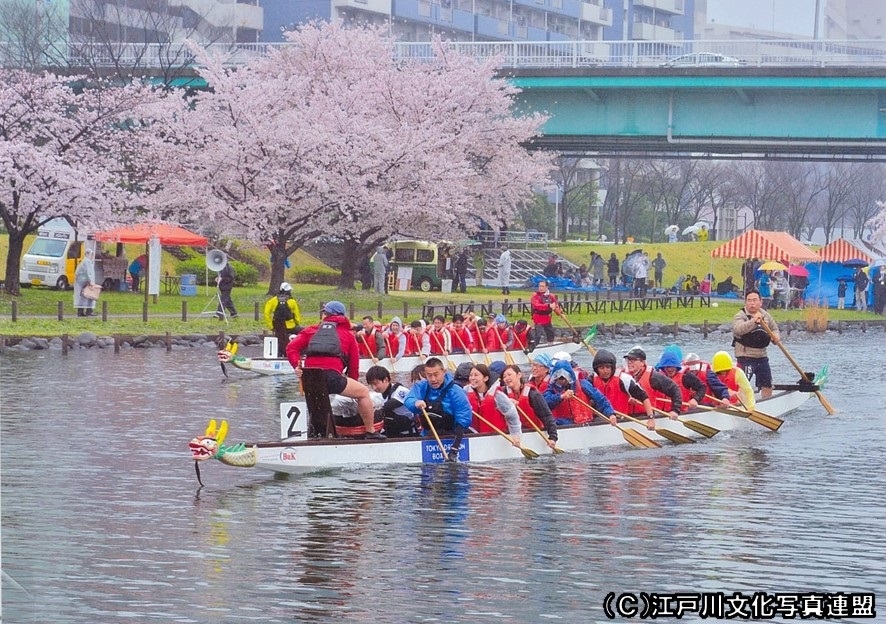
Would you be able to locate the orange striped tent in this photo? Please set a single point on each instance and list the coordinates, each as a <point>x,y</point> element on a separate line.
<point>778,246</point>
<point>841,250</point>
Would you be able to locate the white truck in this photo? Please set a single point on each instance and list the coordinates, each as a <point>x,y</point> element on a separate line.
<point>54,255</point>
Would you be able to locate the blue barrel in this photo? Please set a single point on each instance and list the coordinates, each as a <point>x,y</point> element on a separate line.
<point>188,290</point>
<point>188,279</point>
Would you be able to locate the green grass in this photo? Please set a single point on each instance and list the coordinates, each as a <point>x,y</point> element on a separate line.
<point>37,307</point>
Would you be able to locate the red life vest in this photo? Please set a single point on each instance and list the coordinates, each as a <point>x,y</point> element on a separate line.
<point>524,406</point>
<point>493,339</point>
<point>413,344</point>
<point>655,396</point>
<point>438,341</point>
<point>664,402</point>
<point>569,409</point>
<point>613,391</point>
<point>521,338</point>
<point>702,374</point>
<point>461,339</point>
<point>392,341</point>
<point>730,381</point>
<point>367,343</point>
<point>542,385</point>
<point>487,409</point>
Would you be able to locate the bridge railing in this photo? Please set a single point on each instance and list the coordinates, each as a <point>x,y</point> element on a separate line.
<point>787,52</point>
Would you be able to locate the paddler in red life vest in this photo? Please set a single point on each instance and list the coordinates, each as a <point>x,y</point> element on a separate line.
<point>499,337</point>
<point>734,379</point>
<point>694,365</point>
<point>395,340</point>
<point>438,336</point>
<point>417,342</point>
<point>521,335</point>
<point>656,385</point>
<point>569,397</point>
<point>565,356</point>
<point>488,399</point>
<point>331,346</point>
<point>619,387</point>
<point>539,371</point>
<point>691,387</point>
<point>529,402</point>
<point>370,340</point>
<point>462,341</point>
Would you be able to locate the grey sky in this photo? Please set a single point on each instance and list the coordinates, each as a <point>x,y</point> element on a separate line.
<point>789,16</point>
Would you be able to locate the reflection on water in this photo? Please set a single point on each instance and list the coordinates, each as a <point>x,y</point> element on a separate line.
<point>103,519</point>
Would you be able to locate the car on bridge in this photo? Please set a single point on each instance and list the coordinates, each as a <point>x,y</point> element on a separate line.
<point>704,59</point>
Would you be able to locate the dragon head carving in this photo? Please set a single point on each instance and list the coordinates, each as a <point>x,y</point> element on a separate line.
<point>211,445</point>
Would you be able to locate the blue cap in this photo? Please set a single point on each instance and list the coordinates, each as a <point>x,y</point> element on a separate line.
<point>496,368</point>
<point>501,319</point>
<point>542,359</point>
<point>334,307</point>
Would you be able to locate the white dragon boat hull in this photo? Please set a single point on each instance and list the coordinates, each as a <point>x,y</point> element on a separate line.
<point>280,366</point>
<point>295,453</point>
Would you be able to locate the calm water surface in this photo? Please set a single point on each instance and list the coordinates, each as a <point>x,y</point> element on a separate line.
<point>103,519</point>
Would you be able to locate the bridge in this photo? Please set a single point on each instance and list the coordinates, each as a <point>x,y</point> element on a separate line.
<point>809,99</point>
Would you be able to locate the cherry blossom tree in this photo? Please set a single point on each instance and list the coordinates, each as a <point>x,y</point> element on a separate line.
<point>333,136</point>
<point>62,154</point>
<point>878,223</point>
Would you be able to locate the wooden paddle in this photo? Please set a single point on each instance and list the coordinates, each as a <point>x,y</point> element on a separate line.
<point>390,357</point>
<point>527,452</point>
<point>576,336</point>
<point>520,344</point>
<point>547,440</point>
<point>436,435</point>
<point>824,402</point>
<point>698,427</point>
<point>667,434</point>
<point>702,428</point>
<point>635,438</point>
<point>368,350</point>
<point>462,343</point>
<point>770,422</point>
<point>483,347</point>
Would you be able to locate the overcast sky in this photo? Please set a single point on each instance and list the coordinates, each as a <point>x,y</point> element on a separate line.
<point>789,16</point>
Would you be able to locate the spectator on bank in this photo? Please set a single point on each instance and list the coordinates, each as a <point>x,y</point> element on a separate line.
<point>841,295</point>
<point>612,269</point>
<point>137,269</point>
<point>861,290</point>
<point>693,287</point>
<point>658,266</point>
<point>597,265</point>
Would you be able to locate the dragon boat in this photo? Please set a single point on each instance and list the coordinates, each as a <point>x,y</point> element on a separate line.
<point>270,364</point>
<point>305,446</point>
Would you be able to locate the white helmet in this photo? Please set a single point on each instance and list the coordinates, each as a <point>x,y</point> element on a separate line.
<point>285,287</point>
<point>692,361</point>
<point>561,356</point>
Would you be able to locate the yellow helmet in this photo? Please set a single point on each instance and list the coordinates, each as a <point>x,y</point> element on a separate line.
<point>721,362</point>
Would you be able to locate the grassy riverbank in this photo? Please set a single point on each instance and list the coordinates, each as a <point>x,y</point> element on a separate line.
<point>37,309</point>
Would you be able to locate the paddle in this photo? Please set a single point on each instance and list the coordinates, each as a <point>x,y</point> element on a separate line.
<point>586,341</point>
<point>824,402</point>
<point>635,438</point>
<point>765,420</point>
<point>527,453</point>
<point>547,440</point>
<point>520,344</point>
<point>667,434</point>
<point>231,348</point>
<point>698,427</point>
<point>684,438</point>
<point>462,343</point>
<point>368,350</point>
<point>575,335</point>
<point>436,435</point>
<point>390,357</point>
<point>483,346</point>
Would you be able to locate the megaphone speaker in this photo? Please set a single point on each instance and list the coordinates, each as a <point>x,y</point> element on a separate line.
<point>216,260</point>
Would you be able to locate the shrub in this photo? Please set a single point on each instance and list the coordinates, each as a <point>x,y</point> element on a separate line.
<point>315,275</point>
<point>244,274</point>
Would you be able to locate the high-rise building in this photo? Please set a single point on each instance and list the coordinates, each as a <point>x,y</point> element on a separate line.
<point>855,19</point>
<point>496,20</point>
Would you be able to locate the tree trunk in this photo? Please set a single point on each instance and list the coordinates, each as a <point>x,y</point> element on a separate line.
<point>350,254</point>
<point>278,268</point>
<point>14,263</point>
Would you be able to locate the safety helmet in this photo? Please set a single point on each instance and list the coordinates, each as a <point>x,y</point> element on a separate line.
<point>721,362</point>
<point>604,357</point>
<point>692,361</point>
<point>561,356</point>
<point>285,287</point>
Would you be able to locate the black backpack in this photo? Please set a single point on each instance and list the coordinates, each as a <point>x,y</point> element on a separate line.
<point>283,312</point>
<point>326,341</point>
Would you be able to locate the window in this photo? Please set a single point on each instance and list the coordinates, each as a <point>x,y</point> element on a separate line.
<point>424,255</point>
<point>404,255</point>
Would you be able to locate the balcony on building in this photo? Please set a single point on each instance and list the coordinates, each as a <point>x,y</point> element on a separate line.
<point>674,7</point>
<point>596,14</point>
<point>438,14</point>
<point>651,32</point>
<point>372,6</point>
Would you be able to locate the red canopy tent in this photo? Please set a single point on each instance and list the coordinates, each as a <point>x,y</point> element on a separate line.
<point>841,250</point>
<point>765,245</point>
<point>143,232</point>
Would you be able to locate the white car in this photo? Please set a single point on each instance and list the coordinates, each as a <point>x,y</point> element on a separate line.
<point>704,59</point>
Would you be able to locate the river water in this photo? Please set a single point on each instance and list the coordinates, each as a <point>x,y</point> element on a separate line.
<point>103,519</point>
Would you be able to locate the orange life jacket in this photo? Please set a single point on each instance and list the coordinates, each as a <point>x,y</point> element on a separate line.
<point>613,391</point>
<point>654,395</point>
<point>524,406</point>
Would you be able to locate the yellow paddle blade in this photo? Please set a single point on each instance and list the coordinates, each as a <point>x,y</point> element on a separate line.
<point>210,429</point>
<point>222,432</point>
